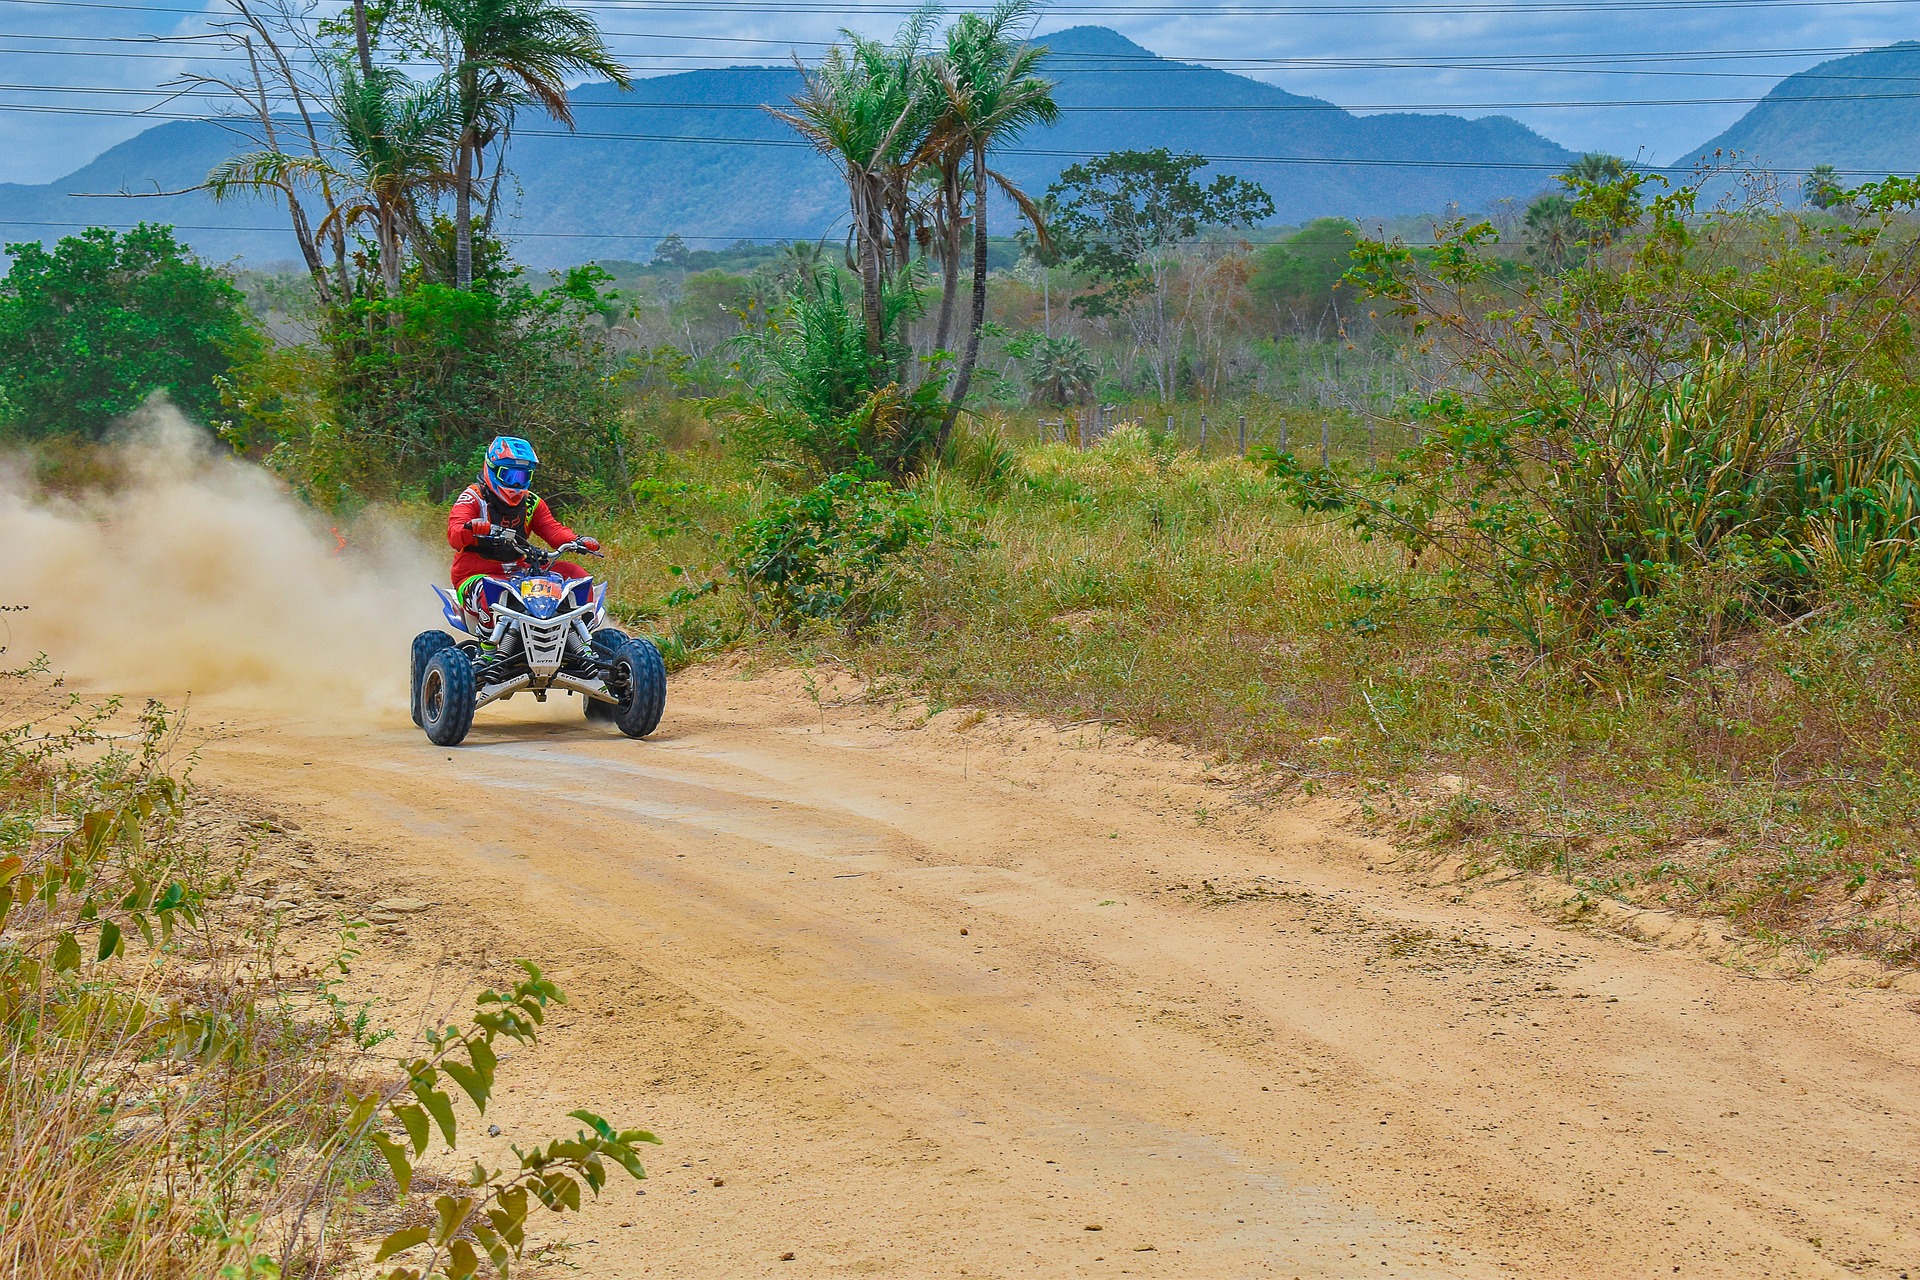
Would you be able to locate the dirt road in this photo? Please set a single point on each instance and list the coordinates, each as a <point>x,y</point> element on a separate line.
<point>986,998</point>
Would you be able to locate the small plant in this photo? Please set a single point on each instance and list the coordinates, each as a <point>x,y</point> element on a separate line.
<point>831,554</point>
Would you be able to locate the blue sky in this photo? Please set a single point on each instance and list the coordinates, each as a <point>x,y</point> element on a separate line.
<point>64,44</point>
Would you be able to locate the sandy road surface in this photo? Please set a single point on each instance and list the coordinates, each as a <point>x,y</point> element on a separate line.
<point>935,1001</point>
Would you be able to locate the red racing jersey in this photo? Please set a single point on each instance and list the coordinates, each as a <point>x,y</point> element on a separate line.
<point>531,517</point>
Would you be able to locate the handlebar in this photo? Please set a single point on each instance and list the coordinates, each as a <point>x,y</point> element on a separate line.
<point>542,559</point>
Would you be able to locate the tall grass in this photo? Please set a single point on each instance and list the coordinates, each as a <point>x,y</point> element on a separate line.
<point>1133,583</point>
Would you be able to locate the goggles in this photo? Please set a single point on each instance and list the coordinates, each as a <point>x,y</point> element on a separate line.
<point>512,477</point>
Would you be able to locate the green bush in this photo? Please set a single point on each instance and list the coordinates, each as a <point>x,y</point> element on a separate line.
<point>1713,420</point>
<point>817,402</point>
<point>832,554</point>
<point>93,327</point>
<point>403,393</point>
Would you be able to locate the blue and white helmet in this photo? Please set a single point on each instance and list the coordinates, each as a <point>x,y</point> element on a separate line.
<point>509,469</point>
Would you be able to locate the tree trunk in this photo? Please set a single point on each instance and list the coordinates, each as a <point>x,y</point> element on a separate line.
<point>949,255</point>
<point>870,226</point>
<point>463,214</point>
<point>978,319</point>
<point>390,248</point>
<point>361,44</point>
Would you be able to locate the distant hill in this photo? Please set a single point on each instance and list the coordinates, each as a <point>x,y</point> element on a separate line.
<point>1860,114</point>
<point>598,194</point>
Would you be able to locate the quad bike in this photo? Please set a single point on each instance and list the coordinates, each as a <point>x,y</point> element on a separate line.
<point>532,631</point>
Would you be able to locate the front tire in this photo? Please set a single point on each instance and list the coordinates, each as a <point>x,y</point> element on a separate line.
<point>642,679</point>
<point>446,697</point>
<point>606,644</point>
<point>425,645</point>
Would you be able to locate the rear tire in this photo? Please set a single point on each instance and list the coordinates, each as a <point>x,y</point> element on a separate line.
<point>446,697</point>
<point>638,671</point>
<point>425,645</point>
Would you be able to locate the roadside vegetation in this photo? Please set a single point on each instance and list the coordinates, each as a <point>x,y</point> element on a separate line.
<point>181,1093</point>
<point>1577,539</point>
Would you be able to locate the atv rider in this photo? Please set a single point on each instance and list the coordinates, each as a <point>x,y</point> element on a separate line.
<point>481,526</point>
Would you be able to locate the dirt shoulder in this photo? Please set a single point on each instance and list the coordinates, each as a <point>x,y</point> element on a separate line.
<point>919,997</point>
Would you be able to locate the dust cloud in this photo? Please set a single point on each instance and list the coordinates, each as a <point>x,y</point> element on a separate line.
<point>201,575</point>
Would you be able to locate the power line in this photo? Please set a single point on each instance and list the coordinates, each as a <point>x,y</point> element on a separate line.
<point>1304,105</point>
<point>1390,8</point>
<point>1306,65</point>
<point>1329,64</point>
<point>1179,62</point>
<point>524,235</point>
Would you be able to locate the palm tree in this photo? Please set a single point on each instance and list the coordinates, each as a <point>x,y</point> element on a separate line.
<point>272,169</point>
<point>800,263</point>
<point>1595,166</point>
<point>1553,233</point>
<point>396,136</point>
<point>507,54</point>
<point>1060,370</point>
<point>1822,188</point>
<point>992,96</point>
<point>864,106</point>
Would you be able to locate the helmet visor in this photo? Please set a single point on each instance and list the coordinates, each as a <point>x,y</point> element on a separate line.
<point>512,476</point>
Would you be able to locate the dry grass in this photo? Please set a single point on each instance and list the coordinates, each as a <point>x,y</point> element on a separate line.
<point>162,1111</point>
<point>1136,584</point>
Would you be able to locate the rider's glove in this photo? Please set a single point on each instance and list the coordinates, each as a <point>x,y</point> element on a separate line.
<point>479,528</point>
<point>591,545</point>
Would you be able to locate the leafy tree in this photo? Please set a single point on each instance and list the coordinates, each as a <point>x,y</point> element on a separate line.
<point>508,54</point>
<point>1116,217</point>
<point>992,97</point>
<point>1822,188</point>
<point>1299,274</point>
<point>421,380</point>
<point>1117,220</point>
<point>671,252</point>
<point>90,329</point>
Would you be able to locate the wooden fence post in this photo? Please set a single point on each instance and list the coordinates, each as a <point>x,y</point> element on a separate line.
<point>1203,435</point>
<point>1243,435</point>
<point>1326,438</point>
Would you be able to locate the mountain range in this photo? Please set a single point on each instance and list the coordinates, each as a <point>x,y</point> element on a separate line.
<point>1860,114</point>
<point>697,155</point>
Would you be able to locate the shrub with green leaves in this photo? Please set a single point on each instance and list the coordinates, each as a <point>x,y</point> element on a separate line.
<point>1715,418</point>
<point>92,327</point>
<point>403,392</point>
<point>817,401</point>
<point>834,553</point>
